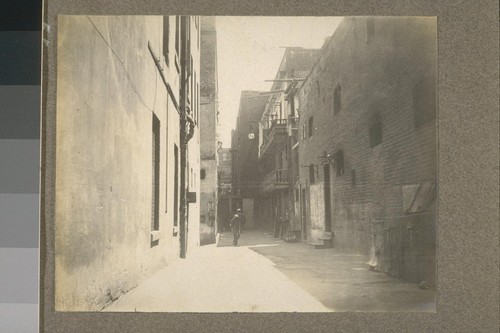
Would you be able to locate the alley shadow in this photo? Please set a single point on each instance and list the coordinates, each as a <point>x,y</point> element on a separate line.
<point>250,239</point>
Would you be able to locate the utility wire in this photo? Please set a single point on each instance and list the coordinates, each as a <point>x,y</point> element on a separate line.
<point>122,64</point>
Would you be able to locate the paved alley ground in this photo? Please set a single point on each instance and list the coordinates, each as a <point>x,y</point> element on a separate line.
<point>219,279</point>
<point>343,283</point>
<point>266,274</point>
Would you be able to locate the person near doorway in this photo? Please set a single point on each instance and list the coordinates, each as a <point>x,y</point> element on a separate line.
<point>235,227</point>
<point>277,227</point>
<point>242,220</point>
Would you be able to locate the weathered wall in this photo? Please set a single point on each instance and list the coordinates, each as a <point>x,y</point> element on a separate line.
<point>317,210</point>
<point>246,150</point>
<point>108,89</point>
<point>208,189</point>
<point>378,75</point>
<point>208,127</point>
<point>193,156</point>
<point>224,187</point>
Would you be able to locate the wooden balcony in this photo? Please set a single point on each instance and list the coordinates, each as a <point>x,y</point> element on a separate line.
<point>275,180</point>
<point>276,134</point>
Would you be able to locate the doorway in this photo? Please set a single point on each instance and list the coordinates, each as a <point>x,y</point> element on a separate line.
<point>327,196</point>
<point>303,216</point>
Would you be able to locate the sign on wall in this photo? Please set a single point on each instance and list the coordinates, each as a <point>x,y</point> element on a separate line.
<point>317,204</point>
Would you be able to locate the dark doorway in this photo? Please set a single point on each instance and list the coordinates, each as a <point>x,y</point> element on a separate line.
<point>155,204</point>
<point>328,204</point>
<point>176,186</point>
<point>303,214</point>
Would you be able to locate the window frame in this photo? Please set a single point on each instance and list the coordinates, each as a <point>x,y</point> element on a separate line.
<point>310,127</point>
<point>339,163</point>
<point>337,99</point>
<point>312,176</point>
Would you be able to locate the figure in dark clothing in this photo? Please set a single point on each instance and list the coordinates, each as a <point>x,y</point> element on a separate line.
<point>242,221</point>
<point>235,227</point>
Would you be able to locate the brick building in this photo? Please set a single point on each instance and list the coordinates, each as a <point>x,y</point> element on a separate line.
<point>208,130</point>
<point>367,150</point>
<point>127,153</point>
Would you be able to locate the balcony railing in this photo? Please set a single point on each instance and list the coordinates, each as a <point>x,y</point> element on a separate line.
<point>278,127</point>
<point>277,178</point>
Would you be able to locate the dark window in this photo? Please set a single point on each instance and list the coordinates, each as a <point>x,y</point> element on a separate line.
<point>370,29</point>
<point>177,34</point>
<point>375,131</point>
<point>353,177</point>
<point>311,173</point>
<point>176,185</point>
<point>295,110</point>
<point>296,162</point>
<point>203,174</point>
<point>339,163</point>
<point>310,132</point>
<point>166,32</point>
<point>337,99</point>
<point>424,102</point>
<point>155,216</point>
<point>291,103</point>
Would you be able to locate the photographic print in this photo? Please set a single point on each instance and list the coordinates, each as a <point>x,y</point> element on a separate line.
<point>246,164</point>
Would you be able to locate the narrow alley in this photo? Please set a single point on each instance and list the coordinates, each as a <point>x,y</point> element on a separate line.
<point>266,274</point>
<point>328,159</point>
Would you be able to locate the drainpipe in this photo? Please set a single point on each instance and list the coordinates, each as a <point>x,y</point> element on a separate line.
<point>186,133</point>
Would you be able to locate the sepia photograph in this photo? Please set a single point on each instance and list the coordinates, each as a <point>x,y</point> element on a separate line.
<point>266,164</point>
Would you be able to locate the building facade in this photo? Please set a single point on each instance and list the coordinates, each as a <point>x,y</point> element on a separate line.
<point>190,131</point>
<point>123,104</point>
<point>245,150</point>
<point>367,149</point>
<point>277,135</point>
<point>208,131</point>
<point>224,204</point>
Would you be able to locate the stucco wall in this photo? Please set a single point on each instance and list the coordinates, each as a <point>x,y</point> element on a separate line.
<point>107,91</point>
<point>193,154</point>
<point>208,129</point>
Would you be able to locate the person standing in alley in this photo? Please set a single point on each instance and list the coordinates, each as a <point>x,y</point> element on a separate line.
<point>235,227</point>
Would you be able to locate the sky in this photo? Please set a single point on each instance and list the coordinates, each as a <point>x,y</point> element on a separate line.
<point>249,51</point>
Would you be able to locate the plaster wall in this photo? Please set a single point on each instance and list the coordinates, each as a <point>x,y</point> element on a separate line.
<point>193,153</point>
<point>108,91</point>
